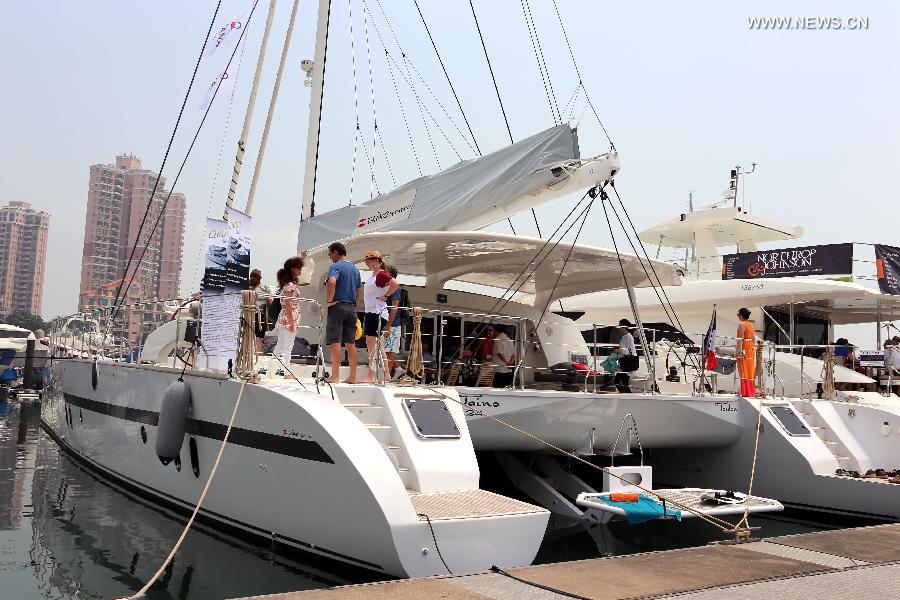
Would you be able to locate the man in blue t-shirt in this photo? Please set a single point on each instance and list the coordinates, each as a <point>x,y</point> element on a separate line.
<point>344,291</point>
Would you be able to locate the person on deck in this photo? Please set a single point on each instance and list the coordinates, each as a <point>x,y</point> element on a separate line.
<point>289,317</point>
<point>343,292</point>
<point>260,324</point>
<point>484,350</point>
<point>842,350</point>
<point>622,379</point>
<point>746,353</point>
<point>504,356</point>
<point>393,331</point>
<point>375,292</point>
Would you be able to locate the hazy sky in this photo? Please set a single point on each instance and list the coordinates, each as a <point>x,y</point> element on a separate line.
<point>686,91</point>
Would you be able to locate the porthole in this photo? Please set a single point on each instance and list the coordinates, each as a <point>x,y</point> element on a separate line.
<point>177,462</point>
<point>143,434</point>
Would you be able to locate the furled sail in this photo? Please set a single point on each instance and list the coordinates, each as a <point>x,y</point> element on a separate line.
<point>472,194</point>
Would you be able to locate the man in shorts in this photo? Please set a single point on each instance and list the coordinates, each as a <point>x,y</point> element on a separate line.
<point>393,331</point>
<point>343,292</point>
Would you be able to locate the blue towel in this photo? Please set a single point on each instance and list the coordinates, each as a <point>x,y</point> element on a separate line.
<point>7,374</point>
<point>645,509</point>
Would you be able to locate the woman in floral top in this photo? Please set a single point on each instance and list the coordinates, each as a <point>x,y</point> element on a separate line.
<point>289,317</point>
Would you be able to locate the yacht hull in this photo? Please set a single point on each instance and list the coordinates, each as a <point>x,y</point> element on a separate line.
<point>798,470</point>
<point>589,423</point>
<point>300,468</point>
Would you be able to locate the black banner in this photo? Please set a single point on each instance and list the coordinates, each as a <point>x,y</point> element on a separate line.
<point>887,264</point>
<point>829,259</point>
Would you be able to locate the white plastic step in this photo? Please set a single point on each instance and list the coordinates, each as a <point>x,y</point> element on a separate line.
<point>367,413</point>
<point>393,452</point>
<point>383,433</point>
<point>406,477</point>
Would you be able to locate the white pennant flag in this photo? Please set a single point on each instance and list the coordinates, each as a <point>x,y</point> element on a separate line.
<point>228,32</point>
<point>227,79</point>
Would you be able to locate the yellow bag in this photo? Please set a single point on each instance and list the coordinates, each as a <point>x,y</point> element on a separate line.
<point>359,330</point>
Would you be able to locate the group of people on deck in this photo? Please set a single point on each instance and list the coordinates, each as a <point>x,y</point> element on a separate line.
<point>345,291</point>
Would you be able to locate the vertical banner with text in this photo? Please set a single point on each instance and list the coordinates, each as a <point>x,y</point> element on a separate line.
<point>226,274</point>
<point>887,265</point>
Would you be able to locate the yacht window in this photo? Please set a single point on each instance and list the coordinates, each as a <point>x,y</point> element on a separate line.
<point>14,334</point>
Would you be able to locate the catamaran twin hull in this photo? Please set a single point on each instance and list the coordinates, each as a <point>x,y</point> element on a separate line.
<point>303,468</point>
<point>589,423</point>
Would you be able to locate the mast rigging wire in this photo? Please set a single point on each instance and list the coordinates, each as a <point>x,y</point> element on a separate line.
<point>412,85</point>
<point>236,171</point>
<point>355,103</point>
<point>655,281</point>
<point>428,88</point>
<point>373,184</point>
<point>539,58</point>
<point>408,82</point>
<point>447,75</point>
<point>580,79</point>
<point>312,200</point>
<point>412,144</point>
<point>487,59</point>
<point>117,305</point>
<point>168,149</point>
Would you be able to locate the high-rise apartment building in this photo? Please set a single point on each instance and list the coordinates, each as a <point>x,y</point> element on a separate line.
<point>118,197</point>
<point>23,252</point>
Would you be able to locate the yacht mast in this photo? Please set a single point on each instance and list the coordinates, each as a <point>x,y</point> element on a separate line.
<point>242,141</point>
<point>315,69</point>
<point>272,102</point>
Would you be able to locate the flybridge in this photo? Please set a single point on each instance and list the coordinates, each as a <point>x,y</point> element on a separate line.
<point>472,194</point>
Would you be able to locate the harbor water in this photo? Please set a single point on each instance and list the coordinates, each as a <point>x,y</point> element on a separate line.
<point>67,533</point>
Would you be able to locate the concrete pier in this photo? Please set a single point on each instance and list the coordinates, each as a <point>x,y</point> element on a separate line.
<point>842,564</point>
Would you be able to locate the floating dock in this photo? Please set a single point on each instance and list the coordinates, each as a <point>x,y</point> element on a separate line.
<point>842,564</point>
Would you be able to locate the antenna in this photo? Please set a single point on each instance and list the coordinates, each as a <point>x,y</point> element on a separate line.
<point>732,192</point>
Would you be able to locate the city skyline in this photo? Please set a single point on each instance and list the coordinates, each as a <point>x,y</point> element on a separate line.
<point>122,250</point>
<point>23,255</point>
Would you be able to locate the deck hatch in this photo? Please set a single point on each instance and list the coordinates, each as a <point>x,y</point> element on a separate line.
<point>430,418</point>
<point>789,420</point>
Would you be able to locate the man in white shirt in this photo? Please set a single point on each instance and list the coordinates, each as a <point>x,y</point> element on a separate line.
<point>892,356</point>
<point>626,347</point>
<point>504,357</point>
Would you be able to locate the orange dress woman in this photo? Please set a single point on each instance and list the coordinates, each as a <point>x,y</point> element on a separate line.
<point>746,354</point>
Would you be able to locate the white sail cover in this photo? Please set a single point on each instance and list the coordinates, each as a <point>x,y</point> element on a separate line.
<point>469,195</point>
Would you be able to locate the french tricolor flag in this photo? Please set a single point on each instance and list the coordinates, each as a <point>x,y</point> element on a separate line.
<point>709,344</point>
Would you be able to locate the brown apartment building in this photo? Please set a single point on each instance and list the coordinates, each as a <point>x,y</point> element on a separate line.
<point>118,196</point>
<point>23,252</point>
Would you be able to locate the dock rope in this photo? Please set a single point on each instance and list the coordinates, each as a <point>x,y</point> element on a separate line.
<point>245,363</point>
<point>742,529</point>
<point>246,358</point>
<point>415,365</point>
<point>828,374</point>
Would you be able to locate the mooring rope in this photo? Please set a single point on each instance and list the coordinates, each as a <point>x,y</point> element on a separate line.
<point>245,368</point>
<point>246,358</point>
<point>415,365</point>
<point>212,474</point>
